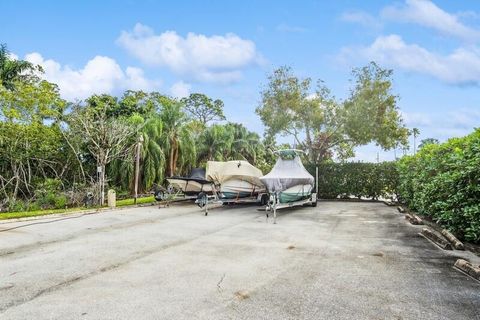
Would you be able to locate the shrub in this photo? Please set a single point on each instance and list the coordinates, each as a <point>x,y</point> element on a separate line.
<point>48,195</point>
<point>362,180</point>
<point>442,181</point>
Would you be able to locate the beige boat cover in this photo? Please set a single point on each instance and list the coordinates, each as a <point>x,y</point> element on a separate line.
<point>219,172</point>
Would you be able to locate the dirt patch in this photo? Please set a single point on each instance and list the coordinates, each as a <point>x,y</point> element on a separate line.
<point>378,254</point>
<point>242,295</point>
<point>291,247</point>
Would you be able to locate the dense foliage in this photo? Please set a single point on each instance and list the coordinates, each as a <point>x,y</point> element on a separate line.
<point>442,181</point>
<point>53,152</point>
<point>325,127</point>
<point>358,179</point>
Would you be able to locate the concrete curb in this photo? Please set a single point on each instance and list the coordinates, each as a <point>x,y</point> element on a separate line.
<point>75,213</point>
<point>413,219</point>
<point>468,268</point>
<point>436,238</point>
<point>457,244</point>
<point>390,203</point>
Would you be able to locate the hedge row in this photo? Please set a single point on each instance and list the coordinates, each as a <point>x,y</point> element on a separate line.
<point>358,179</point>
<point>442,181</point>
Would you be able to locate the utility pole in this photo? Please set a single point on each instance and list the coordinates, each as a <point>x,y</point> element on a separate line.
<point>137,165</point>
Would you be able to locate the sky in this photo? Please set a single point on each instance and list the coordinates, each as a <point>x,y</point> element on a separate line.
<point>226,49</point>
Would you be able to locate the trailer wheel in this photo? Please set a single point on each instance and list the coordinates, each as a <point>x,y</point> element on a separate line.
<point>264,199</point>
<point>314,203</point>
<point>201,199</point>
<point>159,195</point>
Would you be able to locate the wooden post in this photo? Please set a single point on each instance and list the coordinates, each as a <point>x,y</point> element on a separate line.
<point>316,180</point>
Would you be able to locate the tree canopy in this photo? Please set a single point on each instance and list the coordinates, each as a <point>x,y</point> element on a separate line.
<point>202,108</point>
<point>323,125</point>
<point>52,151</point>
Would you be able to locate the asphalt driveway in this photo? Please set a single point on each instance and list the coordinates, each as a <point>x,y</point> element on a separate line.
<point>340,260</point>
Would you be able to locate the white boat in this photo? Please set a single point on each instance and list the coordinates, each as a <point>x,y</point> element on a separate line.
<point>289,183</point>
<point>193,184</point>
<point>235,179</point>
<point>289,180</point>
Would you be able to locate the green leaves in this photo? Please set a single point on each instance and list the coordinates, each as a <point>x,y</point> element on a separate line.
<point>323,126</point>
<point>442,181</point>
<point>202,108</point>
<point>359,179</point>
<point>14,71</point>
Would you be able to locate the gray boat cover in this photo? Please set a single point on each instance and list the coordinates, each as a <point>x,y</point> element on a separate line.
<point>285,174</point>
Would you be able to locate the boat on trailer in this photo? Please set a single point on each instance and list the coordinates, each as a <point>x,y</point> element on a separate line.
<point>289,183</point>
<point>234,181</point>
<point>191,186</point>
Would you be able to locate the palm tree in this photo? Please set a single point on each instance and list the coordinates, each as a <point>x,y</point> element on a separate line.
<point>152,155</point>
<point>214,143</point>
<point>178,141</point>
<point>152,159</point>
<point>12,70</point>
<point>416,133</point>
<point>245,144</point>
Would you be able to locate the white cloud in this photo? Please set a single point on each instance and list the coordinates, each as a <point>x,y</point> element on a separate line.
<point>363,18</point>
<point>416,119</point>
<point>180,89</point>
<point>462,66</point>
<point>12,56</point>
<point>426,13</point>
<point>216,58</point>
<point>100,75</point>
<point>464,119</point>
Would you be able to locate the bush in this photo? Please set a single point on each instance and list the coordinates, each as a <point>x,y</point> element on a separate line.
<point>362,180</point>
<point>442,181</point>
<point>48,195</point>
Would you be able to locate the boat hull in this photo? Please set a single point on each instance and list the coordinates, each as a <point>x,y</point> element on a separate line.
<point>190,187</point>
<point>235,188</point>
<point>295,193</point>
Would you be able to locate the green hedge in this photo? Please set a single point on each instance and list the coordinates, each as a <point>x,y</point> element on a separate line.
<point>443,182</point>
<point>358,179</point>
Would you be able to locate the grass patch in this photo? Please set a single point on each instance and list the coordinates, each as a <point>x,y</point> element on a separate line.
<point>34,213</point>
<point>25,214</point>
<point>129,201</point>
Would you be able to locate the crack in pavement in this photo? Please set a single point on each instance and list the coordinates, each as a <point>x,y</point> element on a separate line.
<point>138,255</point>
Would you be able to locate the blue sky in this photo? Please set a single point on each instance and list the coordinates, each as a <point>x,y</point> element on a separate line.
<point>226,49</point>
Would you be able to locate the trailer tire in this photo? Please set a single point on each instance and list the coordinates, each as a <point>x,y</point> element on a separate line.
<point>314,204</point>
<point>201,199</point>
<point>159,195</point>
<point>264,199</point>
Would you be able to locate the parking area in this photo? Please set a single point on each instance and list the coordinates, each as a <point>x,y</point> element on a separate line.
<point>340,260</point>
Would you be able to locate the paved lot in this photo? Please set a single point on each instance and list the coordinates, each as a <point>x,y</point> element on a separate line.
<point>336,261</point>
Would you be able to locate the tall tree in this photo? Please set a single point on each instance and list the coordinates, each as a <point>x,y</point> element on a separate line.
<point>214,143</point>
<point>105,138</point>
<point>425,142</point>
<point>416,133</point>
<point>321,125</point>
<point>245,144</point>
<point>202,108</point>
<point>152,159</point>
<point>30,147</point>
<point>12,70</point>
<point>178,144</point>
